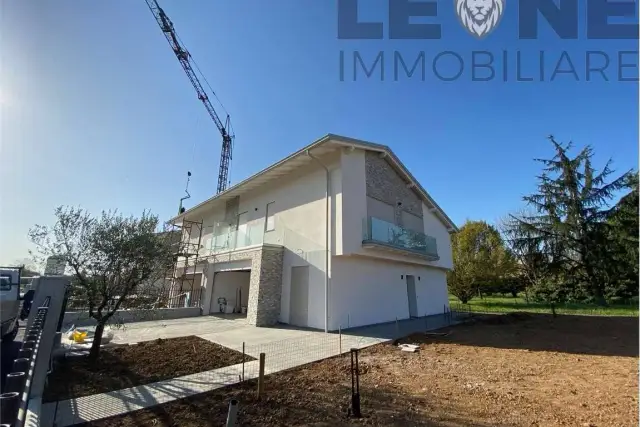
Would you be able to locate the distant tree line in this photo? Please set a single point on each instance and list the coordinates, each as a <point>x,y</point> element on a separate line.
<point>570,243</point>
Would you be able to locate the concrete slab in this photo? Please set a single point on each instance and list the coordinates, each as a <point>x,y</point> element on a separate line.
<point>151,330</point>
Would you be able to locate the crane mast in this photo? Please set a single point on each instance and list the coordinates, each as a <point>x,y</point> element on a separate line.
<point>185,60</point>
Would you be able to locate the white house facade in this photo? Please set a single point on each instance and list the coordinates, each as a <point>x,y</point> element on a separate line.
<point>337,235</point>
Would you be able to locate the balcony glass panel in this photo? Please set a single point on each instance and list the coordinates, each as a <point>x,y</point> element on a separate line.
<point>225,238</point>
<point>385,233</point>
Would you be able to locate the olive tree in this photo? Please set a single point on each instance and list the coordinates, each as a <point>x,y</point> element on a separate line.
<point>113,259</point>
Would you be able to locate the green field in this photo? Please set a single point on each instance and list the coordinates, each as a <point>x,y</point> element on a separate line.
<point>496,304</point>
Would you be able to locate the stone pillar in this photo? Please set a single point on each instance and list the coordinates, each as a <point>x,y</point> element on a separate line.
<point>265,289</point>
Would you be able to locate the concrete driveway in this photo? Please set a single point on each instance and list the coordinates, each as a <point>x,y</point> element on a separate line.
<point>234,332</point>
<point>282,339</point>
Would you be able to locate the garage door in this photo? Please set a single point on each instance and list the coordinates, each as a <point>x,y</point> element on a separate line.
<point>299,300</point>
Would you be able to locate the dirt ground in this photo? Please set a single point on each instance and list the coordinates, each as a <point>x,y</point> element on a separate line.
<point>131,365</point>
<point>510,370</point>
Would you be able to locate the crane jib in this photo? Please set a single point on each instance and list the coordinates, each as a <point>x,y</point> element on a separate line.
<point>185,60</point>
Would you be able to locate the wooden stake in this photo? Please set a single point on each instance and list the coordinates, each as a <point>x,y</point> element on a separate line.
<point>261,376</point>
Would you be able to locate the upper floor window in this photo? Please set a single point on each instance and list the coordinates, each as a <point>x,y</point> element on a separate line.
<point>270,223</point>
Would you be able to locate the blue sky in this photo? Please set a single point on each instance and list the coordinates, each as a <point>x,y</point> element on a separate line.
<point>97,112</point>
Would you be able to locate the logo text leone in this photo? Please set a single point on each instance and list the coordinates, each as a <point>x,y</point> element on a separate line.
<point>480,17</point>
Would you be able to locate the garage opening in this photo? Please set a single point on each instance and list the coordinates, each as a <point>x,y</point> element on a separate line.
<point>230,295</point>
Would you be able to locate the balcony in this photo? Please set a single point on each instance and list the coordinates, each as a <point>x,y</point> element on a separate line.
<point>225,239</point>
<point>382,234</point>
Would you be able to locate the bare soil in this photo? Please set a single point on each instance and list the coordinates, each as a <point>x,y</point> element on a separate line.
<point>510,370</point>
<point>131,365</point>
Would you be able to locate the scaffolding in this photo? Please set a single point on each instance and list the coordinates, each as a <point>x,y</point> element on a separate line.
<point>186,243</point>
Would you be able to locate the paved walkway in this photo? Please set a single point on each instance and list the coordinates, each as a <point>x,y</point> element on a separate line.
<point>294,348</point>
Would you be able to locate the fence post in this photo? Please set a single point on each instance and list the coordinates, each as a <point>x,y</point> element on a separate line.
<point>261,376</point>
<point>243,358</point>
<point>355,384</point>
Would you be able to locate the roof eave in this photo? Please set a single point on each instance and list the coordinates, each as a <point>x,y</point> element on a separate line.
<point>252,177</point>
<point>345,141</point>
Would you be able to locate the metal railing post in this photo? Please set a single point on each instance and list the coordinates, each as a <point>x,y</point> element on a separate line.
<point>9,406</point>
<point>232,414</point>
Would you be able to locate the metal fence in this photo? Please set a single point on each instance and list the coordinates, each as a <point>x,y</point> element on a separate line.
<point>462,309</point>
<point>152,299</point>
<point>13,403</point>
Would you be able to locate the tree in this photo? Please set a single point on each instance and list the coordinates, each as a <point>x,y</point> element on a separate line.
<point>621,255</point>
<point>112,258</point>
<point>566,228</point>
<point>479,258</point>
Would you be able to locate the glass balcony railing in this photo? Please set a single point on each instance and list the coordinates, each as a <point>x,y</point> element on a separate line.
<point>229,240</point>
<point>384,233</point>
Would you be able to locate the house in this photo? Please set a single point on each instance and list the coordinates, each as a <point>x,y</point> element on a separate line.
<point>337,235</point>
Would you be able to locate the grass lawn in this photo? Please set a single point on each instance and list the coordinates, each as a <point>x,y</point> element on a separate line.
<point>496,304</point>
<point>131,365</point>
<point>505,370</point>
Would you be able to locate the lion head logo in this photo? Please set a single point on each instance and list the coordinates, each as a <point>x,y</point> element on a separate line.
<point>479,17</point>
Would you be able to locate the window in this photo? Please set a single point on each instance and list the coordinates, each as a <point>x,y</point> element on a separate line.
<point>5,283</point>
<point>270,223</point>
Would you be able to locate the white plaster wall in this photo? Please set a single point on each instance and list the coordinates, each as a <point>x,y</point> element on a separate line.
<point>367,291</point>
<point>354,201</point>
<point>226,284</point>
<point>300,211</point>
<point>431,290</point>
<point>435,228</point>
<point>300,214</point>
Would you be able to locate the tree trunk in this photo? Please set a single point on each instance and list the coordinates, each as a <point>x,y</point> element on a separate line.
<point>599,295</point>
<point>97,338</point>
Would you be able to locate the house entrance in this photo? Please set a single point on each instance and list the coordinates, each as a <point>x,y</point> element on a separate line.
<point>411,295</point>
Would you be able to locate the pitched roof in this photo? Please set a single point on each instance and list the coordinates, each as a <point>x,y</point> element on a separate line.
<point>321,146</point>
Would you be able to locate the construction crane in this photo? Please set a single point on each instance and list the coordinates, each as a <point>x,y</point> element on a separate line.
<point>185,60</point>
